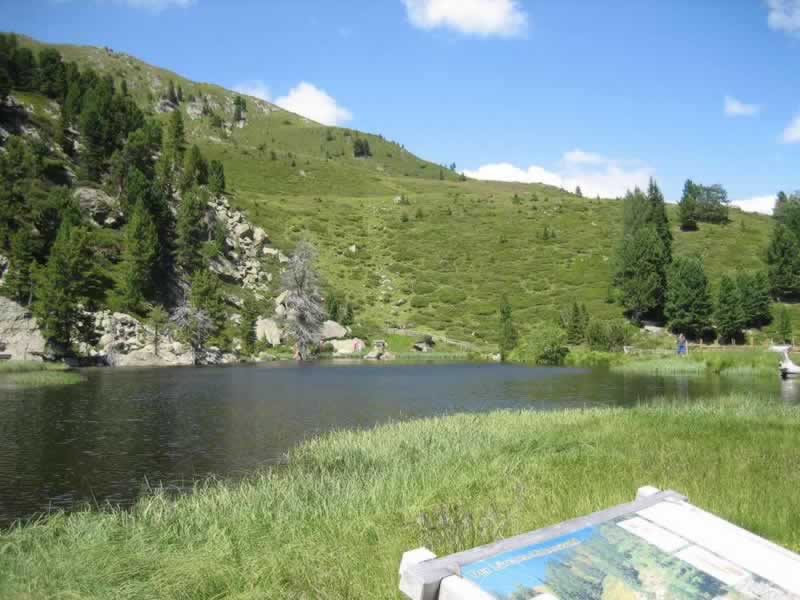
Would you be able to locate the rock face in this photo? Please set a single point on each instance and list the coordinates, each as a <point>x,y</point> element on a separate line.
<point>124,341</point>
<point>267,329</point>
<point>331,330</point>
<point>346,347</point>
<point>19,332</point>
<point>102,209</point>
<point>246,244</point>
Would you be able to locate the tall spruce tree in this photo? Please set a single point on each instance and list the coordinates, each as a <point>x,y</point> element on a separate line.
<point>174,142</point>
<point>687,207</point>
<point>784,330</point>
<point>190,230</point>
<point>216,177</point>
<point>508,331</point>
<point>729,316</point>
<point>18,280</point>
<point>754,292</point>
<point>642,277</point>
<point>247,325</point>
<point>63,285</point>
<point>689,308</point>
<point>138,260</point>
<point>783,262</point>
<point>658,217</point>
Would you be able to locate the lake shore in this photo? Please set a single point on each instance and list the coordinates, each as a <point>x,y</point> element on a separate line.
<point>28,373</point>
<point>339,514</point>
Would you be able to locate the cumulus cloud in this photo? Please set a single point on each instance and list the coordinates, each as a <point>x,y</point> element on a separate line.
<point>791,135</point>
<point>255,88</point>
<point>311,102</point>
<point>784,15</point>
<point>484,18</point>
<point>757,204</point>
<point>596,174</point>
<point>737,108</point>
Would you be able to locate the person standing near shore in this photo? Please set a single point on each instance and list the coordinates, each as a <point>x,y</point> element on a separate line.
<point>682,345</point>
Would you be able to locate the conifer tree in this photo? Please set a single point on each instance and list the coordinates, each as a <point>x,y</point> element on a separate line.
<point>24,69</point>
<point>18,284</point>
<point>174,138</point>
<point>687,207</point>
<point>190,230</point>
<point>206,294</point>
<point>180,94</point>
<point>688,306</point>
<point>784,331</point>
<point>729,316</point>
<point>658,217</point>
<point>62,286</point>
<point>783,262</point>
<point>305,311</point>
<point>92,137</point>
<point>52,77</point>
<point>158,321</point>
<point>138,259</point>
<point>574,325</point>
<point>508,331</point>
<point>123,87</point>
<point>216,177</point>
<point>247,325</point>
<point>171,95</point>
<point>643,273</point>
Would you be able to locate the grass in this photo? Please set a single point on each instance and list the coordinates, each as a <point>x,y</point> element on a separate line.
<point>28,373</point>
<point>729,363</point>
<point>333,522</point>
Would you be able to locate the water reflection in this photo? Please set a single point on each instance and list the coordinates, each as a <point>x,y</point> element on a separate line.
<point>103,440</point>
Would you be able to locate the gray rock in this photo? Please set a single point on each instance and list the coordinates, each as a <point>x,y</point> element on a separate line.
<point>332,330</point>
<point>346,347</point>
<point>19,332</point>
<point>101,208</point>
<point>268,329</point>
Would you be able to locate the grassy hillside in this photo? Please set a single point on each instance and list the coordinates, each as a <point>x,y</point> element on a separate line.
<point>408,241</point>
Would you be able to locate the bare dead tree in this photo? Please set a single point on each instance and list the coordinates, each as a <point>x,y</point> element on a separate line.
<point>194,325</point>
<point>305,312</point>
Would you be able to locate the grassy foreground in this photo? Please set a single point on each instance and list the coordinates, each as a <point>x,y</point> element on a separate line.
<point>28,373</point>
<point>335,520</point>
<point>731,363</point>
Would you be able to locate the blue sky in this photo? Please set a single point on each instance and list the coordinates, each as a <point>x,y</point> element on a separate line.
<point>600,94</point>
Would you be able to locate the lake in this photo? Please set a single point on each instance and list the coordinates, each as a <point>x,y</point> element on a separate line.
<point>109,438</point>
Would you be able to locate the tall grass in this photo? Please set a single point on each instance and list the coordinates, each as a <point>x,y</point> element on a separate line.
<point>732,363</point>
<point>29,373</point>
<point>333,522</point>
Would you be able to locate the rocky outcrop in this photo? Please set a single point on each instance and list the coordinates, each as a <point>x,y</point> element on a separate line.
<point>101,208</point>
<point>19,333</point>
<point>240,261</point>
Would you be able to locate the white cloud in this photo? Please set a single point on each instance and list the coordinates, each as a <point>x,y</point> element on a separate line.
<point>478,17</point>
<point>156,6</point>
<point>255,88</point>
<point>791,135</point>
<point>737,108</point>
<point>784,15</point>
<point>594,173</point>
<point>757,204</point>
<point>309,101</point>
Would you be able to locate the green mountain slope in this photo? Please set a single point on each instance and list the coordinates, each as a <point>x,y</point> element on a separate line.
<point>405,239</point>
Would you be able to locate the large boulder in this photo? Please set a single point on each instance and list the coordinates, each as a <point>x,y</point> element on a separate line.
<point>346,347</point>
<point>331,330</point>
<point>19,332</point>
<point>268,329</point>
<point>101,208</point>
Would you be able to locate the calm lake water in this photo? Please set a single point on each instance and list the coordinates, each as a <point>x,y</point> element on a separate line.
<point>106,439</point>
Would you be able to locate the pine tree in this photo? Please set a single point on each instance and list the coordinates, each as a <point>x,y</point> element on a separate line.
<point>190,230</point>
<point>658,217</point>
<point>216,177</point>
<point>92,137</point>
<point>729,316</point>
<point>687,207</point>
<point>24,70</point>
<point>52,77</point>
<point>508,332</point>
<point>762,304</point>
<point>346,314</point>
<point>62,287</point>
<point>578,192</point>
<point>783,262</point>
<point>643,273</point>
<point>247,325</point>
<point>138,259</point>
<point>158,321</point>
<point>123,87</point>
<point>171,96</point>
<point>174,141</point>
<point>180,94</point>
<point>195,170</point>
<point>785,333</point>
<point>688,302</point>
<point>206,294</point>
<point>18,285</point>
<point>574,325</point>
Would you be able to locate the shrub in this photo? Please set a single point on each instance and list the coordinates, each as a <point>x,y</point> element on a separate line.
<point>546,346</point>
